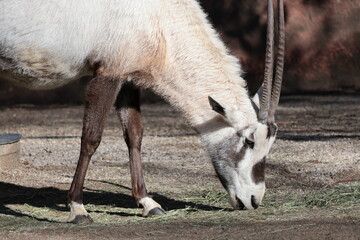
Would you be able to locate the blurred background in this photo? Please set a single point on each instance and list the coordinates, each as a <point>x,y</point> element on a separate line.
<point>322,49</point>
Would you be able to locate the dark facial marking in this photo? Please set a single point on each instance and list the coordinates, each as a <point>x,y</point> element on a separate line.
<point>238,156</point>
<point>249,143</point>
<point>272,129</point>
<point>234,157</point>
<point>222,179</point>
<point>258,171</point>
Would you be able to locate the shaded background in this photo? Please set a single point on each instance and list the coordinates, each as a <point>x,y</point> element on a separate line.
<point>322,48</point>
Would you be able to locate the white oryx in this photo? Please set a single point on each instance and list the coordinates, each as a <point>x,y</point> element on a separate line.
<point>167,46</point>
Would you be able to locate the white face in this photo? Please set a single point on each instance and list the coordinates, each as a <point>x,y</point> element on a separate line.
<point>239,161</point>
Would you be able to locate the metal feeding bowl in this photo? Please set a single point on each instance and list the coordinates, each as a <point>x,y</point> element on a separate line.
<point>9,150</point>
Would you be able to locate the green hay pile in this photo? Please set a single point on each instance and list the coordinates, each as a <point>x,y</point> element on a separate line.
<point>341,195</point>
<point>344,196</point>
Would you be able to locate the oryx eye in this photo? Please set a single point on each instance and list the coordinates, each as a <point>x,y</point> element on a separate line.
<point>249,143</point>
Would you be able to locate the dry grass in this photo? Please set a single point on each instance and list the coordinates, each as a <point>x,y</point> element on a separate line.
<point>345,196</point>
<point>278,204</point>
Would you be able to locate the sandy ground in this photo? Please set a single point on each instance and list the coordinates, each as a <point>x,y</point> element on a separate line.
<point>317,147</point>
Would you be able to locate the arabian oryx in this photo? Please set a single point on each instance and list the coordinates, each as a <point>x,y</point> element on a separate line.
<point>167,46</point>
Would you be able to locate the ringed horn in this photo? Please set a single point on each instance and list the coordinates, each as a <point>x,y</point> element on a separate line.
<point>271,91</point>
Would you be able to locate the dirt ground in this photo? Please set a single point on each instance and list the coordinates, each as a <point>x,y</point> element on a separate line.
<point>312,176</point>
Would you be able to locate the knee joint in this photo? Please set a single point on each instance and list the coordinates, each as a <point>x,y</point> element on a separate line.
<point>133,137</point>
<point>91,144</point>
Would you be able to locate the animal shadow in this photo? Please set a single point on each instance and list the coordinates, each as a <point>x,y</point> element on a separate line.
<point>54,198</point>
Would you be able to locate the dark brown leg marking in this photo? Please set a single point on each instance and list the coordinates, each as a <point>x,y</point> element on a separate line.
<point>100,97</point>
<point>128,108</point>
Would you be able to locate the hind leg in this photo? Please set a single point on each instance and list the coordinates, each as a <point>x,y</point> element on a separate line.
<point>128,108</point>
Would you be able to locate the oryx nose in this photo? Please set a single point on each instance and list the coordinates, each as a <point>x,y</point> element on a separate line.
<point>240,204</point>
<point>254,204</point>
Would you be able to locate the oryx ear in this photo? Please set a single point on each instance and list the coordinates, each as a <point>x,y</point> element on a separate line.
<point>257,98</point>
<point>216,106</point>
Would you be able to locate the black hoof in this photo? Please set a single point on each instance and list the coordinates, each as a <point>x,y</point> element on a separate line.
<point>156,212</point>
<point>82,219</point>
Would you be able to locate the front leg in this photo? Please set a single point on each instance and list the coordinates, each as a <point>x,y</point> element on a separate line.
<point>100,97</point>
<point>128,107</point>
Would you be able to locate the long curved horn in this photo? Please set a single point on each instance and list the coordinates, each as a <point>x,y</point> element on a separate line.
<point>279,63</point>
<point>269,66</point>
